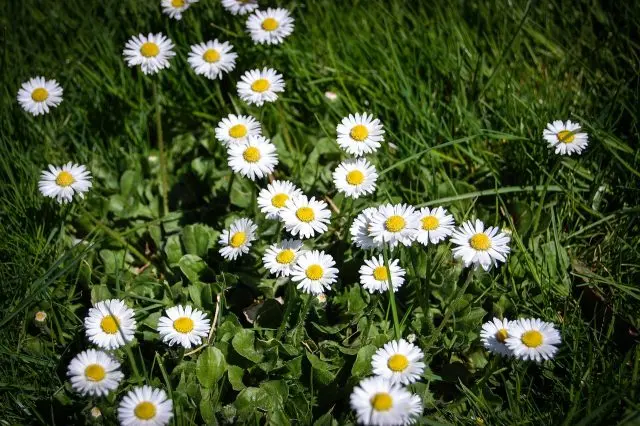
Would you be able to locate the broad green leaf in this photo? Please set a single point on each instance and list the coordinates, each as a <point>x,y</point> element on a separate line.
<point>127,182</point>
<point>197,239</point>
<point>210,367</point>
<point>362,365</point>
<point>243,343</point>
<point>173,250</point>
<point>235,375</point>
<point>321,370</point>
<point>191,266</point>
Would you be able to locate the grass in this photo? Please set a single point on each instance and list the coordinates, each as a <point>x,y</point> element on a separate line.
<point>464,90</point>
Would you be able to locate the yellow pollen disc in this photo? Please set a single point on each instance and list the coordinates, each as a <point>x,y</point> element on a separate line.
<point>145,410</point>
<point>177,3</point>
<point>501,335</point>
<point>359,132</point>
<point>305,214</point>
<point>260,85</point>
<point>314,272</point>
<point>398,362</point>
<point>279,200</point>
<point>355,177</point>
<point>95,372</point>
<point>382,401</point>
<point>109,324</point>
<point>395,223</point>
<point>251,154</point>
<point>566,136</point>
<point>285,256</point>
<point>183,325</point>
<point>64,178</point>
<point>270,24</point>
<point>429,223</point>
<point>211,56</point>
<point>238,239</point>
<point>238,131</point>
<point>380,273</point>
<point>480,241</point>
<point>40,94</point>
<point>149,50</point>
<point>531,338</point>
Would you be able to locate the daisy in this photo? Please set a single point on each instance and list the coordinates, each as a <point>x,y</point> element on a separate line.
<point>270,27</point>
<point>305,217</point>
<point>378,401</point>
<point>260,86</point>
<point>280,258</point>
<point>174,8</point>
<point>394,224</point>
<point>478,246</point>
<point>374,276</point>
<point>62,183</point>
<point>240,7</point>
<point>145,406</point>
<point>314,272</point>
<point>355,177</point>
<point>494,335</point>
<point>236,240</point>
<point>360,229</point>
<point>212,59</point>
<point>183,325</point>
<point>360,134</point>
<point>37,95</point>
<point>254,159</point>
<point>152,52</point>
<point>566,138</point>
<point>110,324</point>
<point>273,198</point>
<point>236,129</point>
<point>436,225</point>
<point>399,361</point>
<point>94,373</point>
<point>533,339</point>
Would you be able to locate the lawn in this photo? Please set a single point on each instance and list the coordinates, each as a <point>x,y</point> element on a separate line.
<point>464,90</point>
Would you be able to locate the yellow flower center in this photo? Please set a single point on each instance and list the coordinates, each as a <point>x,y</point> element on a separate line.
<point>251,154</point>
<point>109,324</point>
<point>429,223</point>
<point>64,178</point>
<point>95,372</point>
<point>480,241</point>
<point>260,85</point>
<point>395,223</point>
<point>305,214</point>
<point>177,3</point>
<point>355,177</point>
<point>149,50</point>
<point>566,136</point>
<point>270,24</point>
<point>398,362</point>
<point>380,273</point>
<point>531,338</point>
<point>381,401</point>
<point>211,56</point>
<point>501,335</point>
<point>145,410</point>
<point>359,132</point>
<point>238,131</point>
<point>183,325</point>
<point>238,239</point>
<point>314,272</point>
<point>40,94</point>
<point>285,256</point>
<point>279,200</point>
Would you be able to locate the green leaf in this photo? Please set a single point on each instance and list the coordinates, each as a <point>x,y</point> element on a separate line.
<point>243,343</point>
<point>241,192</point>
<point>321,369</point>
<point>127,182</point>
<point>197,239</point>
<point>235,375</point>
<point>173,250</point>
<point>211,367</point>
<point>191,266</point>
<point>362,365</point>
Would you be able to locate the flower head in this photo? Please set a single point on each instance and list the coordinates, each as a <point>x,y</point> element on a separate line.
<point>479,246</point>
<point>62,183</point>
<point>151,52</point>
<point>145,406</point>
<point>110,324</point>
<point>259,86</point>
<point>494,336</point>
<point>212,59</point>
<point>380,402</point>
<point>533,339</point>
<point>305,217</point>
<point>360,134</point>
<point>237,240</point>
<point>38,95</point>
<point>435,225</point>
<point>394,224</point>
<point>237,129</point>
<point>94,373</point>
<point>355,178</point>
<point>399,361</point>
<point>280,258</point>
<point>374,276</point>
<point>254,159</point>
<point>566,138</point>
<point>274,197</point>
<point>240,7</point>
<point>183,325</point>
<point>314,272</point>
<point>361,229</point>
<point>271,26</point>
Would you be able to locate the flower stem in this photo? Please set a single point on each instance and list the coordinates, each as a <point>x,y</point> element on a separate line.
<point>291,300</point>
<point>164,180</point>
<point>392,296</point>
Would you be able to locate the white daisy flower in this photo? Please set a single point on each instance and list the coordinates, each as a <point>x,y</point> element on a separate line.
<point>110,324</point>
<point>37,95</point>
<point>436,225</point>
<point>254,159</point>
<point>145,406</point>
<point>259,86</point>
<point>394,224</point>
<point>240,7</point>
<point>212,59</point>
<point>478,246</point>
<point>305,217</point>
<point>280,258</point>
<point>62,183</point>
<point>494,335</point>
<point>183,325</point>
<point>533,339</point>
<point>361,229</point>
<point>174,8</point>
<point>379,402</point>
<point>360,134</point>
<point>314,272</point>
<point>566,138</point>
<point>399,361</point>
<point>270,27</point>
<point>355,177</point>
<point>374,276</point>
<point>236,240</point>
<point>152,52</point>
<point>274,197</point>
<point>94,373</point>
<point>236,129</point>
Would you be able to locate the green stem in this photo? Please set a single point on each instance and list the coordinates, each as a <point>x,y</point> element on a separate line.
<point>536,217</point>
<point>426,298</point>
<point>291,300</point>
<point>164,178</point>
<point>392,296</point>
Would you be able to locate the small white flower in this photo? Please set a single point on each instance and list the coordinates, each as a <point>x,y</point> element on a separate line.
<point>436,225</point>
<point>355,177</point>
<point>236,129</point>
<point>314,272</point>
<point>152,52</point>
<point>212,59</point>
<point>374,276</point>
<point>305,217</point>
<point>270,27</point>
<point>110,324</point>
<point>274,197</point>
<point>494,335</point>
<point>332,96</point>
<point>480,247</point>
<point>395,224</point>
<point>183,325</point>
<point>254,159</point>
<point>62,183</point>
<point>40,317</point>
<point>236,240</point>
<point>533,339</point>
<point>360,134</point>
<point>94,373</point>
<point>379,402</point>
<point>399,361</point>
<point>259,86</point>
<point>240,7</point>
<point>95,412</point>
<point>174,8</point>
<point>280,258</point>
<point>566,138</point>
<point>145,406</point>
<point>37,95</point>
<point>361,229</point>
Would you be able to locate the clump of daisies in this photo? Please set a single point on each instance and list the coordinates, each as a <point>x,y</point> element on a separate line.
<point>152,52</point>
<point>271,26</point>
<point>38,95</point>
<point>259,86</point>
<point>212,59</point>
<point>526,339</point>
<point>62,183</point>
<point>566,137</point>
